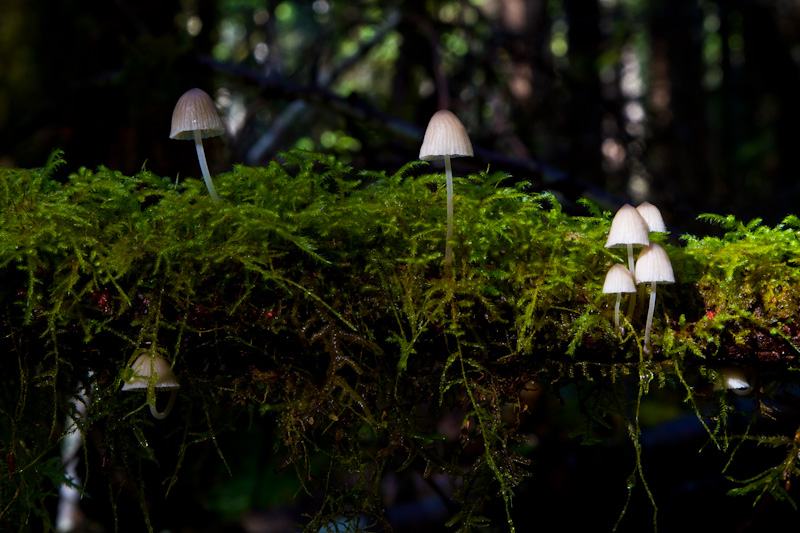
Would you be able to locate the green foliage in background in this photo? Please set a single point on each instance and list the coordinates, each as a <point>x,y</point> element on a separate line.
<point>315,295</point>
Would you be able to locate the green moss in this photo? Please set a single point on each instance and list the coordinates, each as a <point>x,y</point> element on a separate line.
<point>315,295</point>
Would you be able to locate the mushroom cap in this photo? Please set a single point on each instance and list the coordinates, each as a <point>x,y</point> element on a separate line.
<point>147,365</point>
<point>652,216</point>
<point>446,135</point>
<point>653,265</point>
<point>628,227</point>
<point>195,111</point>
<point>735,379</point>
<point>618,280</point>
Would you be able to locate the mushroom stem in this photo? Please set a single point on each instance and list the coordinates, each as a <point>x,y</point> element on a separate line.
<point>201,156</point>
<point>163,414</point>
<point>632,268</point>
<point>631,264</point>
<point>448,252</point>
<point>616,310</point>
<point>650,311</point>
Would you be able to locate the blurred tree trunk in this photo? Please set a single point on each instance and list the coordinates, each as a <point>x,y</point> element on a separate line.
<point>770,154</point>
<point>583,111</point>
<point>678,144</point>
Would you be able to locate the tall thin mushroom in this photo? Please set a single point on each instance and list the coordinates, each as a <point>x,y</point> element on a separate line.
<point>195,118</point>
<point>446,137</point>
<point>653,266</point>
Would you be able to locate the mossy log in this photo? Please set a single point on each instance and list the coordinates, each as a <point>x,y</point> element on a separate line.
<point>317,295</point>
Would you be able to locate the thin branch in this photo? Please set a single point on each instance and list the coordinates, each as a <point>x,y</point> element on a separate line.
<point>361,111</point>
<point>296,111</point>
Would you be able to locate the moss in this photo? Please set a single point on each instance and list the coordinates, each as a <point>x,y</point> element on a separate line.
<point>314,294</point>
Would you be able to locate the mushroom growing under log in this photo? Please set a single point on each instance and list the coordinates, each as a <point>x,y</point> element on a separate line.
<point>152,372</point>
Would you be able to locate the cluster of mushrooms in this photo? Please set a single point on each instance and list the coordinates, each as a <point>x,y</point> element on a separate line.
<point>632,227</point>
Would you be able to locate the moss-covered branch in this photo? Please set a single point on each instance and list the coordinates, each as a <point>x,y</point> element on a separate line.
<point>315,295</point>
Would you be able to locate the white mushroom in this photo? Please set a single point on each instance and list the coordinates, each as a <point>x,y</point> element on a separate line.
<point>446,137</point>
<point>651,215</point>
<point>734,378</point>
<point>195,117</point>
<point>150,369</point>
<point>653,266</point>
<point>618,281</point>
<point>628,228</point>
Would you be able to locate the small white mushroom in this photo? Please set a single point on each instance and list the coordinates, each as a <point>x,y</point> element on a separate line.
<point>652,216</point>
<point>150,369</point>
<point>446,137</point>
<point>628,228</point>
<point>618,281</point>
<point>653,266</point>
<point>196,118</point>
<point>735,379</point>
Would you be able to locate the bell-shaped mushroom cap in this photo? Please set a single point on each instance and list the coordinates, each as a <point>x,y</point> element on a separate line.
<point>628,227</point>
<point>618,280</point>
<point>446,135</point>
<point>652,216</point>
<point>147,365</point>
<point>195,111</point>
<point>653,265</point>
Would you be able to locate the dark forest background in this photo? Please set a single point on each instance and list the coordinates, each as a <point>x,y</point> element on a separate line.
<point>692,105</point>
